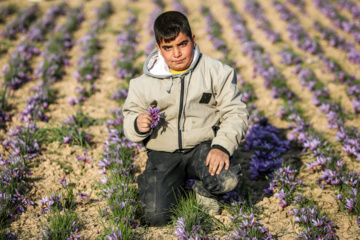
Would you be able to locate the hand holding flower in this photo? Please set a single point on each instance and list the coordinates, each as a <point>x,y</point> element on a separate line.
<point>143,122</point>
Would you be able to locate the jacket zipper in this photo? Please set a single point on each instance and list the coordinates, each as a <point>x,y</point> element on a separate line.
<point>180,111</point>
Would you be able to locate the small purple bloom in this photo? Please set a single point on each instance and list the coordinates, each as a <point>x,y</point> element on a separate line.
<point>73,236</point>
<point>86,158</point>
<point>154,113</point>
<point>82,195</point>
<point>63,181</point>
<point>67,139</point>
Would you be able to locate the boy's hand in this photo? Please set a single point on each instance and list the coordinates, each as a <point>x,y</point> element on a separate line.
<point>216,159</point>
<point>143,122</point>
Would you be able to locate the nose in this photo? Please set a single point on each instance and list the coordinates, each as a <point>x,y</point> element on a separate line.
<point>177,52</point>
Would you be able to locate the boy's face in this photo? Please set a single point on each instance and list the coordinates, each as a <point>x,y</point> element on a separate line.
<point>179,53</point>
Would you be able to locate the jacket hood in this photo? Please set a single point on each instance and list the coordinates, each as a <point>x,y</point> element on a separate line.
<point>155,65</point>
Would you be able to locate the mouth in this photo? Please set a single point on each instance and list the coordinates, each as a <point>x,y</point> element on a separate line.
<point>179,61</point>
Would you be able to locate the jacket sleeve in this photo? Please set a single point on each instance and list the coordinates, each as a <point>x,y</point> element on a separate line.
<point>233,113</point>
<point>133,106</point>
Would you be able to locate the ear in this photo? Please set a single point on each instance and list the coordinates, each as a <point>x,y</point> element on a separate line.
<point>193,40</point>
<point>157,46</point>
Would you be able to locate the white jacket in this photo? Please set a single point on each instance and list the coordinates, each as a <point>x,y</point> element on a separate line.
<point>195,103</point>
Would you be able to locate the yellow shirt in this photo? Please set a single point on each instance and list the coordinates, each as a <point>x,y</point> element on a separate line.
<point>177,72</point>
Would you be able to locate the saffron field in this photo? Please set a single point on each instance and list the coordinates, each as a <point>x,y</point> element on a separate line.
<point>68,172</point>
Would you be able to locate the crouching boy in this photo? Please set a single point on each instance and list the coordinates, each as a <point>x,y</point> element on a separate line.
<point>203,120</point>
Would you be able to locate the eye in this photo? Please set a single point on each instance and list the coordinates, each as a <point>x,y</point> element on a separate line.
<point>183,44</point>
<point>166,48</point>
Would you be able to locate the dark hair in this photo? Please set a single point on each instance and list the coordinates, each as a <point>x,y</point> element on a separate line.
<point>168,26</point>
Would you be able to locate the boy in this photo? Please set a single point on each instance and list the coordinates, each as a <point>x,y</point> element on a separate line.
<point>203,120</point>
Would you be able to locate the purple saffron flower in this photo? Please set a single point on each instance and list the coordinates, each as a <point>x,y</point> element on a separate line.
<point>154,113</point>
<point>103,180</point>
<point>338,197</point>
<point>73,236</point>
<point>84,159</point>
<point>115,235</point>
<point>82,195</point>
<point>67,139</point>
<point>349,204</point>
<point>63,181</point>
<point>180,230</point>
<point>44,200</point>
<point>27,201</point>
<point>108,192</point>
<point>72,101</point>
<point>282,195</point>
<point>283,203</point>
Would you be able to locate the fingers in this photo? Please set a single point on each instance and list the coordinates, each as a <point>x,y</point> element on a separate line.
<point>227,164</point>
<point>220,167</point>
<point>143,122</point>
<point>213,166</point>
<point>217,160</point>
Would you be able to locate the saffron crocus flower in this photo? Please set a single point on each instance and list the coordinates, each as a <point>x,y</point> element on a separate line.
<point>281,195</point>
<point>17,195</point>
<point>103,180</point>
<point>44,200</point>
<point>72,101</point>
<point>67,139</point>
<point>349,204</point>
<point>108,192</point>
<point>73,236</point>
<point>54,199</point>
<point>82,195</point>
<point>104,163</point>
<point>154,113</point>
<point>180,231</point>
<point>28,202</point>
<point>84,159</point>
<point>317,223</point>
<point>283,203</point>
<point>115,235</point>
<point>63,181</point>
<point>338,197</point>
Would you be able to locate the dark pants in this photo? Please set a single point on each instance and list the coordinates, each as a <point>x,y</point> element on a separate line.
<point>165,176</point>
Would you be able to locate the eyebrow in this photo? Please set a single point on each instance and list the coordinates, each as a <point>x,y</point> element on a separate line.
<point>185,41</point>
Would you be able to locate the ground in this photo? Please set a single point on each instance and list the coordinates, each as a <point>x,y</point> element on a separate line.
<point>58,160</point>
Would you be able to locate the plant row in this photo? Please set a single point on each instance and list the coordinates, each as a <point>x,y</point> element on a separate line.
<point>284,179</point>
<point>330,64</point>
<point>159,8</point>
<point>117,166</point>
<point>333,111</point>
<point>334,15</point>
<point>22,144</point>
<point>51,69</point>
<point>22,22</point>
<point>257,12</point>
<point>127,42</point>
<point>89,61</point>
<point>7,10</point>
<point>19,70</point>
